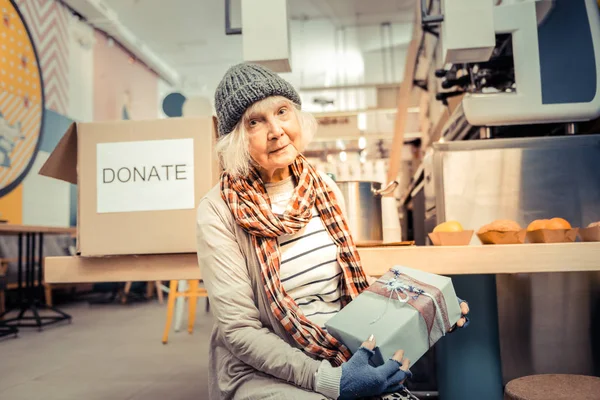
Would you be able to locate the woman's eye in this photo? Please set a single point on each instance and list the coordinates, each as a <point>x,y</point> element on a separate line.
<point>253,122</point>
<point>282,110</point>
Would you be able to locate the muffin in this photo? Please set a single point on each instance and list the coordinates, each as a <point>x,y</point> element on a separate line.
<point>501,225</point>
<point>537,225</point>
<point>554,223</point>
<point>555,230</point>
<point>502,231</point>
<point>558,223</point>
<point>591,233</point>
<point>450,233</point>
<point>449,226</point>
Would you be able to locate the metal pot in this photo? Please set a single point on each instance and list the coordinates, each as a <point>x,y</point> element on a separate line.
<point>363,209</point>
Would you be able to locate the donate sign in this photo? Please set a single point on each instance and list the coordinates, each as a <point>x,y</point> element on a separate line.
<point>145,176</point>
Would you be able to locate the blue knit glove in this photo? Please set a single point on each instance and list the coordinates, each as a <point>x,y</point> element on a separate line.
<point>460,301</point>
<point>360,379</point>
<point>467,321</point>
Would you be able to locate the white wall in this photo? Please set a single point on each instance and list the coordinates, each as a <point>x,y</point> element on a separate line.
<point>45,200</point>
<point>81,76</point>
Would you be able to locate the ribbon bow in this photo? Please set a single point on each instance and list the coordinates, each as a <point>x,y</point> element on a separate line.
<point>396,286</point>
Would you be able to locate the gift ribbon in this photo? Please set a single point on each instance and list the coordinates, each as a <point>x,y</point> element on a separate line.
<point>395,285</point>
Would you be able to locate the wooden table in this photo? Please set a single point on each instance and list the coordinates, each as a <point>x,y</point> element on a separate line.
<point>450,260</point>
<point>27,299</point>
<point>15,229</point>
<point>468,361</point>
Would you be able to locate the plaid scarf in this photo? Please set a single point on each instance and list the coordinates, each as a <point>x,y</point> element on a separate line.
<point>249,203</point>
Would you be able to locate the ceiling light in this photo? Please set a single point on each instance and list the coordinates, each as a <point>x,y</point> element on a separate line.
<point>343,156</point>
<point>362,142</point>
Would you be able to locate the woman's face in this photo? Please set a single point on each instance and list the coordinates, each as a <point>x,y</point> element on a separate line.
<point>274,136</point>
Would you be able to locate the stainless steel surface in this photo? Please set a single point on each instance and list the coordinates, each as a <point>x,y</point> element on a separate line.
<point>415,180</point>
<point>429,217</point>
<point>548,322</point>
<point>536,143</point>
<point>429,184</point>
<point>363,209</point>
<point>418,215</point>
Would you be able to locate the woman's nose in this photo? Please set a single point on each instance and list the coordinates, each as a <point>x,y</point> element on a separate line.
<point>275,129</point>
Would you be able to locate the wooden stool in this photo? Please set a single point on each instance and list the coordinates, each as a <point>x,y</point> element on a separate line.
<point>553,387</point>
<point>192,293</point>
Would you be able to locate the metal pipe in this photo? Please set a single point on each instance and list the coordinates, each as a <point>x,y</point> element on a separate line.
<point>338,56</point>
<point>383,53</point>
<point>345,49</point>
<point>391,38</point>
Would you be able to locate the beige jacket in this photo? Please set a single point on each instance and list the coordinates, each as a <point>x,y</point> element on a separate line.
<point>251,355</point>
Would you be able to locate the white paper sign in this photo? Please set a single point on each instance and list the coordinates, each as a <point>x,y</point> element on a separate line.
<point>145,176</point>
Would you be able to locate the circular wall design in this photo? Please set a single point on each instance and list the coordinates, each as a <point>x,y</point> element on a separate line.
<point>21,98</point>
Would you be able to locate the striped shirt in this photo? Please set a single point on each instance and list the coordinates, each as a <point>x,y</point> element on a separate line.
<point>310,272</point>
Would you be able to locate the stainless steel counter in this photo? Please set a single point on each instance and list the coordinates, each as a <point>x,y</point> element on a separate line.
<point>548,322</point>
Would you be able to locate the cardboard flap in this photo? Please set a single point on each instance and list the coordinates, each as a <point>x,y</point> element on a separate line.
<point>62,163</point>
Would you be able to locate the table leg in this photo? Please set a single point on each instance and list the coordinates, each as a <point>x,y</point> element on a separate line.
<point>63,316</point>
<point>32,291</point>
<point>20,270</point>
<point>30,268</point>
<point>32,302</point>
<point>469,365</point>
<point>5,328</point>
<point>40,267</point>
<point>24,297</point>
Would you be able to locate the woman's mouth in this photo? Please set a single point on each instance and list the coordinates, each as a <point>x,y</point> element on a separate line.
<point>279,150</point>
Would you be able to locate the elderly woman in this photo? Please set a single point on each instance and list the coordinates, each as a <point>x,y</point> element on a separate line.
<point>277,257</point>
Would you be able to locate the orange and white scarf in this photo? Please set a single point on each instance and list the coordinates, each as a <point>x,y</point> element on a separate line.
<point>250,205</point>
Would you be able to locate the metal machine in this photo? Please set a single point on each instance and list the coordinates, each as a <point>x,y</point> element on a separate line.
<point>521,61</point>
<point>530,75</point>
<point>523,179</point>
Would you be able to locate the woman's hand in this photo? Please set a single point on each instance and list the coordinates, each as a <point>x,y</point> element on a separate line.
<point>359,379</point>
<point>464,310</point>
<point>463,322</point>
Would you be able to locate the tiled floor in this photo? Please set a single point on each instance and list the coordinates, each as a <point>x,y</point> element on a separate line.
<point>108,352</point>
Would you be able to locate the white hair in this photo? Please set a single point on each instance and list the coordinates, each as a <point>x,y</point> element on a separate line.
<point>232,149</point>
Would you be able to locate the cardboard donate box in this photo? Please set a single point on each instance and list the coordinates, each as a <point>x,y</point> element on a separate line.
<point>138,182</point>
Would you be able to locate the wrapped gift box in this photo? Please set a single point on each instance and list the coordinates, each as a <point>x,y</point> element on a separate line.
<point>405,309</point>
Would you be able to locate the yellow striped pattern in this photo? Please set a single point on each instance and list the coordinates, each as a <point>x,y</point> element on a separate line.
<point>20,90</point>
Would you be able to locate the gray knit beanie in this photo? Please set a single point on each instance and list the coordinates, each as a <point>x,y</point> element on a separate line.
<point>244,85</point>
